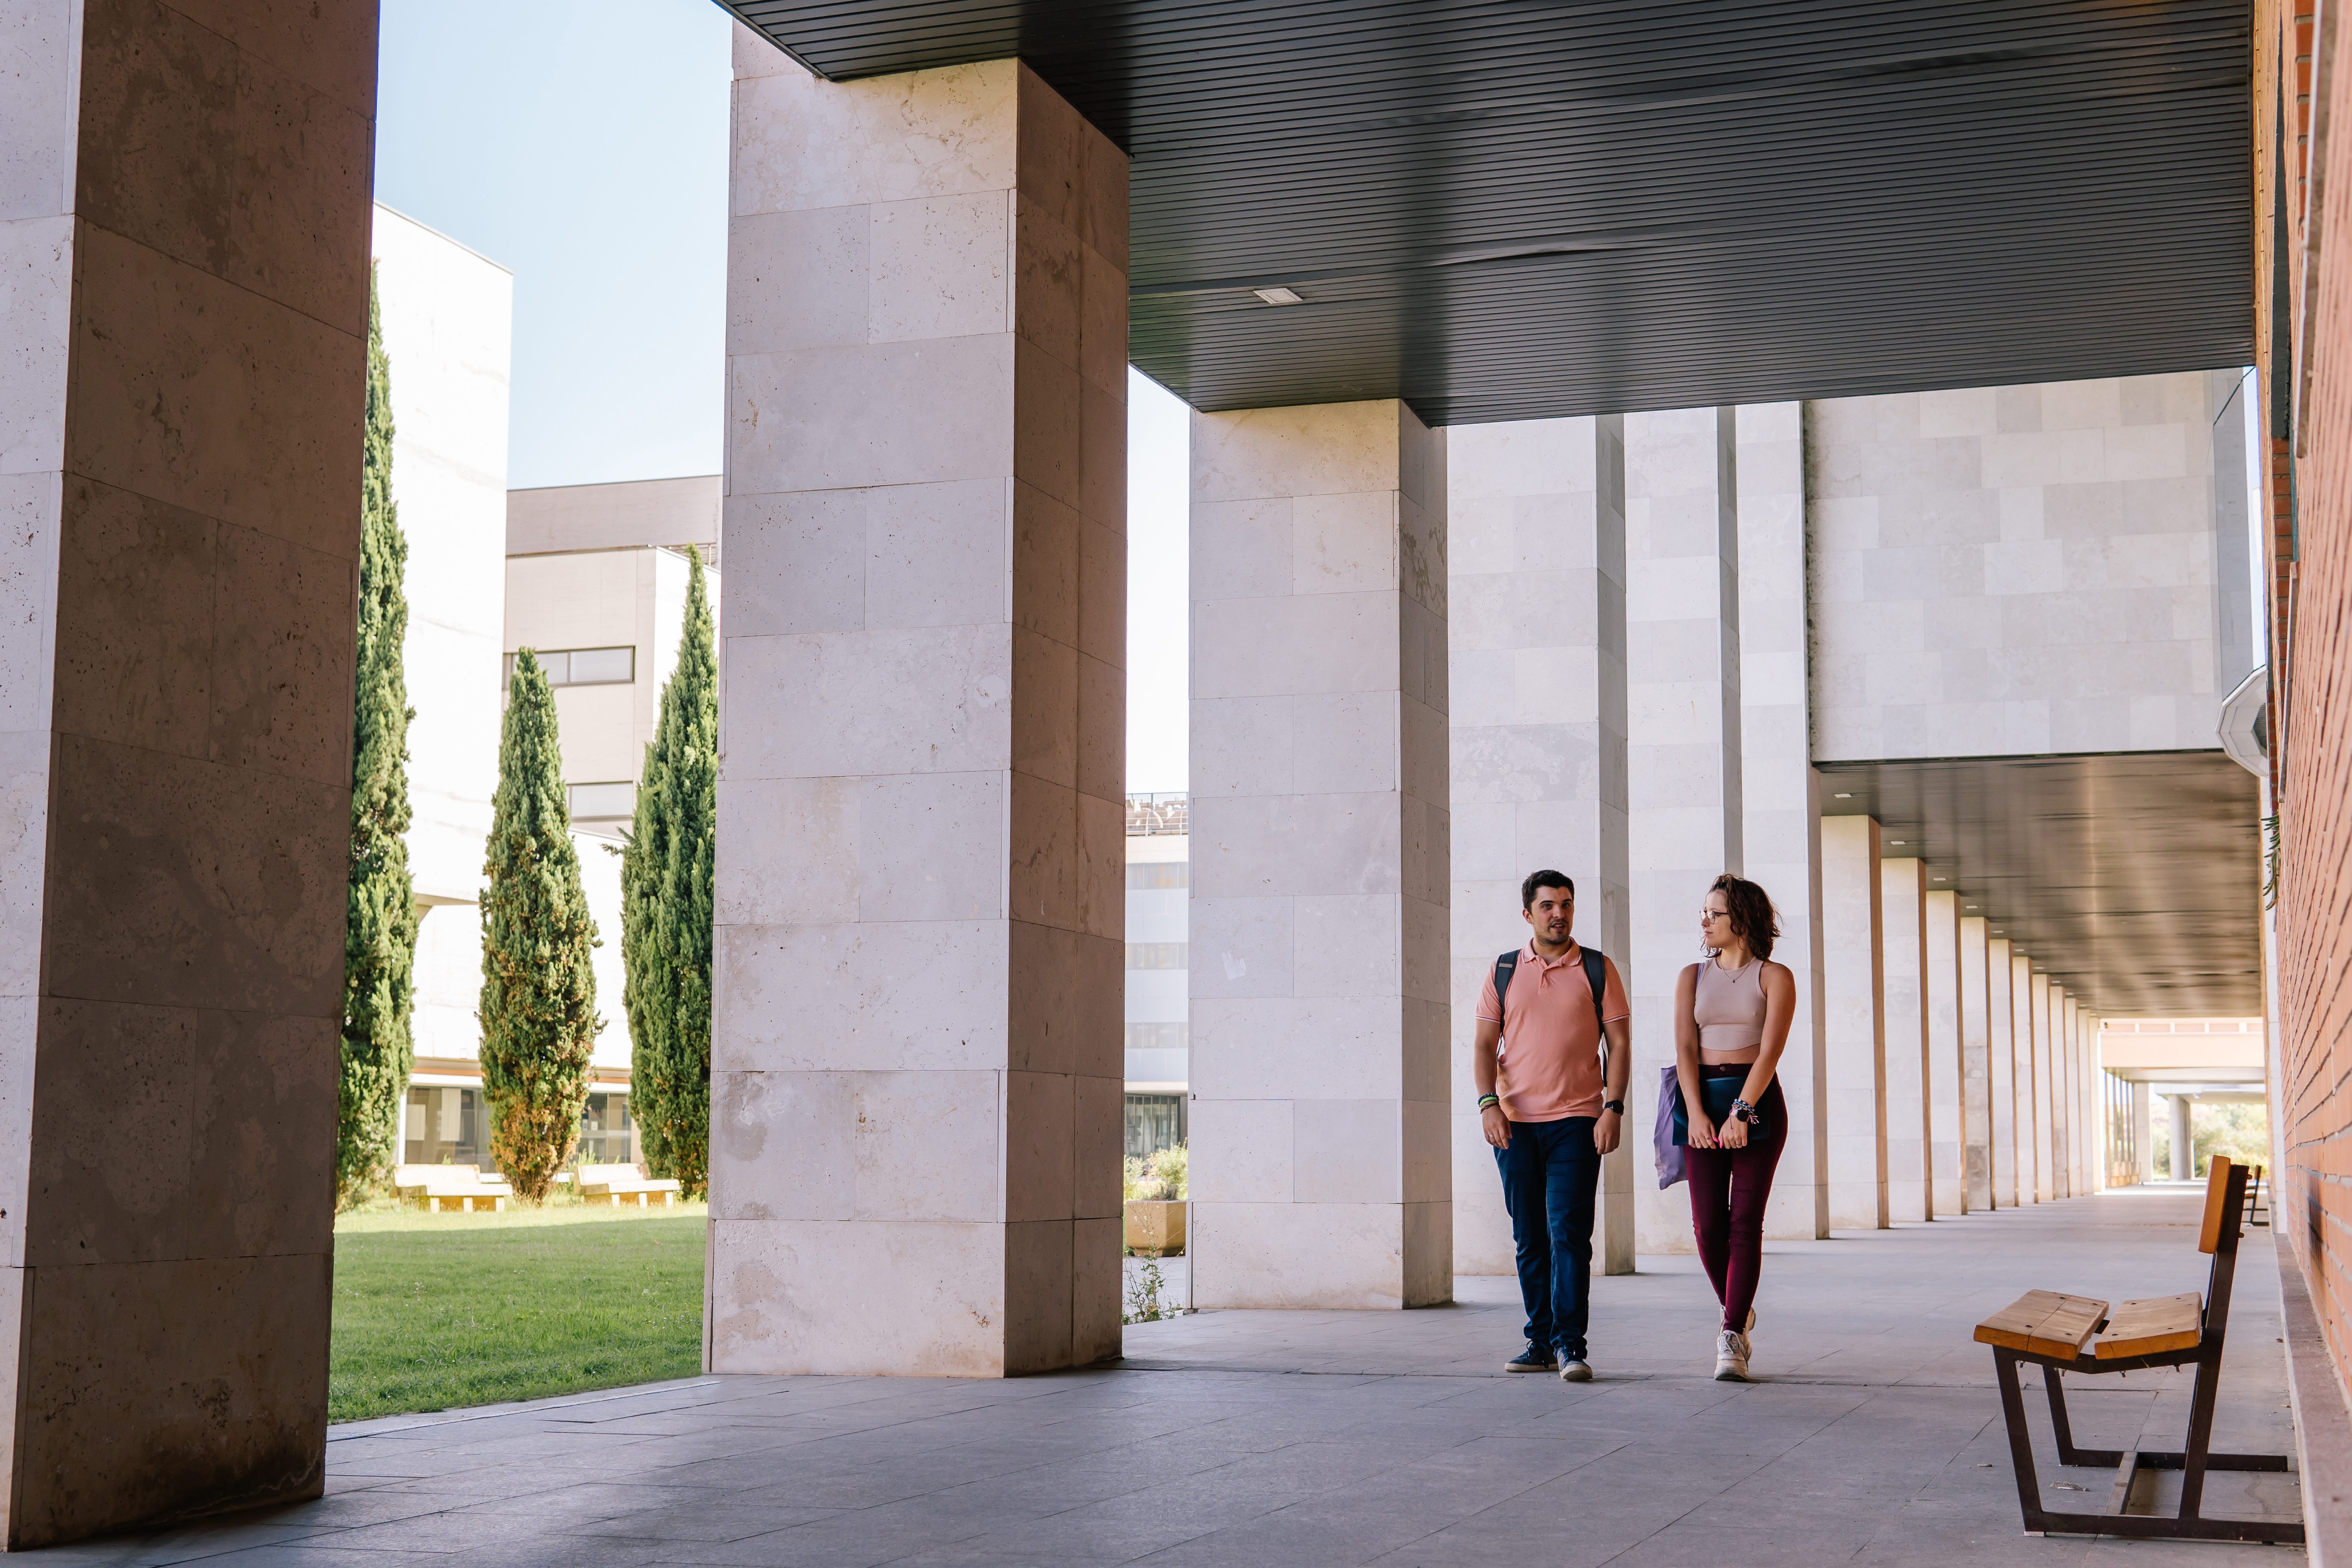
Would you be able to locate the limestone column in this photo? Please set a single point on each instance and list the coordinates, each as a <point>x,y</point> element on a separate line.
<point>2000,1014</point>
<point>1321,1168</point>
<point>2031,1160</point>
<point>1903,921</point>
<point>2045,1138</point>
<point>2184,1150</point>
<point>1947,1099</point>
<point>1535,519</point>
<point>1682,677</point>
<point>2061,1096</point>
<point>1780,792</point>
<point>184,241</point>
<point>1854,1016</point>
<point>2143,1133</point>
<point>917,1050</point>
<point>1976,1062</point>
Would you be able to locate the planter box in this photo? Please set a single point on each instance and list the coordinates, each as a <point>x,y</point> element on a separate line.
<point>1155,1228</point>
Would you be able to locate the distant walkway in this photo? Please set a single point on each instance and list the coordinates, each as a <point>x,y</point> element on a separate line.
<point>1876,1438</point>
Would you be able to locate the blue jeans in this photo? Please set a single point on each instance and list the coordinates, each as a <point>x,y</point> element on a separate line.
<point>1551,1173</point>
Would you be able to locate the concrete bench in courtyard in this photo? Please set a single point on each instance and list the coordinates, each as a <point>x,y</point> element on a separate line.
<point>625,1184</point>
<point>459,1188</point>
<point>2062,1333</point>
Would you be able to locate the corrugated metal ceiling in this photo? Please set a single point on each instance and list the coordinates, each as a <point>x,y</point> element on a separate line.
<point>1521,208</point>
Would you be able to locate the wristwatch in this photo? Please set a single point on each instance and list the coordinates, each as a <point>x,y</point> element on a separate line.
<point>1745,1112</point>
<point>1614,1107</point>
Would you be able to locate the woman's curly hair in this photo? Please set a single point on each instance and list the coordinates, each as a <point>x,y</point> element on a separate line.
<point>1753,918</point>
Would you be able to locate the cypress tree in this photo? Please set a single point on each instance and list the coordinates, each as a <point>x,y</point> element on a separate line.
<point>666,881</point>
<point>380,914</point>
<point>538,993</point>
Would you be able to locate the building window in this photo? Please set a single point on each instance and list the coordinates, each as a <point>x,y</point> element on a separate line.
<point>1154,1121</point>
<point>1156,954</point>
<point>1145,874</point>
<point>582,666</point>
<point>592,800</point>
<point>446,1126</point>
<point>605,1136</point>
<point>1159,1037</point>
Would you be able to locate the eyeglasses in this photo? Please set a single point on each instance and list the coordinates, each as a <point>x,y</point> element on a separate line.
<point>1715,914</point>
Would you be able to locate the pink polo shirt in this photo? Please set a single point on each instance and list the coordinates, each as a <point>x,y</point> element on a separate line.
<point>1550,1058</point>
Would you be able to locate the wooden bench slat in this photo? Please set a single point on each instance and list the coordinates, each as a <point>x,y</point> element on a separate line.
<point>2044,1322</point>
<point>2155,1324</point>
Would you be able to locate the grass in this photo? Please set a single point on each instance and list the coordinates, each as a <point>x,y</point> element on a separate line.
<point>435,1312</point>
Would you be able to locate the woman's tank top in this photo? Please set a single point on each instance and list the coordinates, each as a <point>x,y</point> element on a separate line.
<point>1729,1006</point>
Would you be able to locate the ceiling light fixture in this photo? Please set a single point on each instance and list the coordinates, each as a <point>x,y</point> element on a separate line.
<point>1847,795</point>
<point>1279,296</point>
<point>1894,843</point>
<point>1943,879</point>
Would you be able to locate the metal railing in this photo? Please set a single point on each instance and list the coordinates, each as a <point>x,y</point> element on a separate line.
<point>1149,816</point>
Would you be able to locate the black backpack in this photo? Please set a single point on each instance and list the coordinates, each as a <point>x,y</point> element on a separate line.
<point>1596,978</point>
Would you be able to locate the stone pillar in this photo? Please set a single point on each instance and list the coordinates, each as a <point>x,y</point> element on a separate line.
<point>2061,1096</point>
<point>1535,519</point>
<point>2184,1153</point>
<point>1780,792</point>
<point>2037,1012</point>
<point>1976,1062</point>
<point>1947,1101</point>
<point>2000,1014</point>
<point>2094,1100</point>
<point>1904,924</point>
<point>2143,1133</point>
<point>1854,1012</point>
<point>1681,676</point>
<point>1321,1173</point>
<point>917,1050</point>
<point>2031,1162</point>
<point>2086,1139</point>
<point>183,239</point>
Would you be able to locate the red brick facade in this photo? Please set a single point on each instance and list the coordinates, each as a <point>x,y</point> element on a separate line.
<point>2307,366</point>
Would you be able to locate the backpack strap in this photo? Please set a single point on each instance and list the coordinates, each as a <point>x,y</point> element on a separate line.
<point>1505,967</point>
<point>1596,978</point>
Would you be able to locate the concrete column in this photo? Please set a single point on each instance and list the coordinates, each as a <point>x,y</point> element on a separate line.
<point>1903,924</point>
<point>1854,1012</point>
<point>2184,1153</point>
<point>917,1050</point>
<point>1320,861</point>
<point>1947,1101</point>
<point>1682,675</point>
<point>1535,518</point>
<point>2063,1150</point>
<point>1976,1062</point>
<point>2001,1024</point>
<point>1780,792</point>
<point>2090,1135</point>
<point>2037,1009</point>
<point>2030,1159</point>
<point>183,237</point>
<point>2143,1133</point>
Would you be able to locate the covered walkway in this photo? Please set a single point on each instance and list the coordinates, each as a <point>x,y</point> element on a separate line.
<point>1328,1437</point>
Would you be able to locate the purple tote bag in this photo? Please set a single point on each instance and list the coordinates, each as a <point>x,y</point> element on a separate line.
<point>1670,1154</point>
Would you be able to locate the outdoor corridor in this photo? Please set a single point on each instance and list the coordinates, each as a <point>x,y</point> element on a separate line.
<point>1325,1438</point>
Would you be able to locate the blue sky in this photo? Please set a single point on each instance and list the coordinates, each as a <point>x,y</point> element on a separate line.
<point>584,146</point>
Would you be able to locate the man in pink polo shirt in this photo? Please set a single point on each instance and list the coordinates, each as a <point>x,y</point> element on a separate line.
<point>1551,1101</point>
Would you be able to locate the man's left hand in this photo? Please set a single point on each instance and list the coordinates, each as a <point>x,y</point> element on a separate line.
<point>1606,1132</point>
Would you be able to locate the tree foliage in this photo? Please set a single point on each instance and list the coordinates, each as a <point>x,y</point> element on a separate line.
<point>539,991</point>
<point>380,915</point>
<point>666,882</point>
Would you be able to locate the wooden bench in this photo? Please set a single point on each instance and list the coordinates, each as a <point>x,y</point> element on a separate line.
<point>450,1188</point>
<point>619,1185</point>
<point>2062,1333</point>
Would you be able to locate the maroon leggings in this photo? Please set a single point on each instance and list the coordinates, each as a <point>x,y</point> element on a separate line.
<point>1729,1188</point>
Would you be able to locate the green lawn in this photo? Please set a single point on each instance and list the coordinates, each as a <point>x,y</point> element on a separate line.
<point>435,1312</point>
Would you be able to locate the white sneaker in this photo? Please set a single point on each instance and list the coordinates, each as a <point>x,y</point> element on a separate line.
<point>1731,1356</point>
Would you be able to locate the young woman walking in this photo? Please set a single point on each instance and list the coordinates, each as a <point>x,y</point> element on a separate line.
<point>1731,1022</point>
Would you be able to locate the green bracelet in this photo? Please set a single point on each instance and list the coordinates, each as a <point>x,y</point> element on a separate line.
<point>1487,1100</point>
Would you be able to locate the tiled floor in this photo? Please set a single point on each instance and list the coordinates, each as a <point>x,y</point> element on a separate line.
<point>1310,1438</point>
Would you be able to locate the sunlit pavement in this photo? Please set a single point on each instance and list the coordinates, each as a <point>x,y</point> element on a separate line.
<point>1313,1438</point>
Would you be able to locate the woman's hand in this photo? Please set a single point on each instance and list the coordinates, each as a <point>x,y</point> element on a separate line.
<point>1702,1131</point>
<point>1734,1133</point>
<point>1495,1126</point>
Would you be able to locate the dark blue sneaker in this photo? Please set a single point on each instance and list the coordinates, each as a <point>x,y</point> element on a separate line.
<point>1535,1358</point>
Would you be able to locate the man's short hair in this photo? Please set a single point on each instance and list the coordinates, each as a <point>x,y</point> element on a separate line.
<point>1543,879</point>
